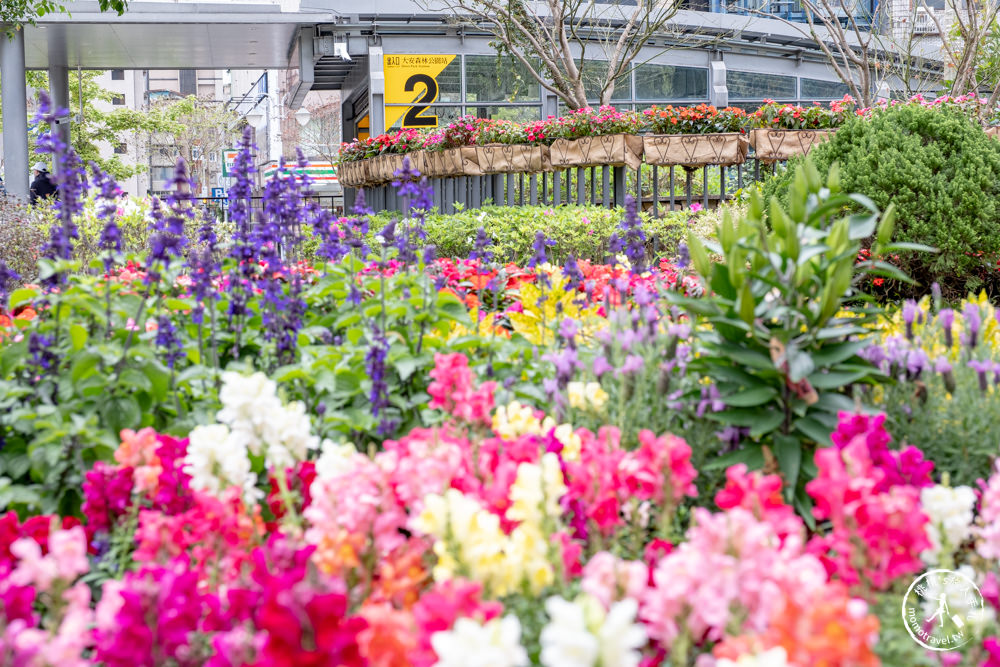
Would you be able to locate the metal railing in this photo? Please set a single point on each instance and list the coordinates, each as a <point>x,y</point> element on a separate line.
<point>218,207</point>
<point>659,189</point>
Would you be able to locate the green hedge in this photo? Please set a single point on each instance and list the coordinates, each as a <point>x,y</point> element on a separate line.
<point>581,231</point>
<point>943,175</point>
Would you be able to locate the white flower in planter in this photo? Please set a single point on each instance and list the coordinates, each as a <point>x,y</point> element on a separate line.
<point>470,644</point>
<point>581,634</point>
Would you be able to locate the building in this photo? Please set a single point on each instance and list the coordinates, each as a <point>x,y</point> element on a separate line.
<point>720,52</point>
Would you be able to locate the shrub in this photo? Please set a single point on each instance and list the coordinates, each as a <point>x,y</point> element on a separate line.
<point>943,175</point>
<point>581,231</point>
<point>21,236</point>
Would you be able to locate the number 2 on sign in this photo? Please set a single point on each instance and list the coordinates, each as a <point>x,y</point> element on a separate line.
<point>413,117</point>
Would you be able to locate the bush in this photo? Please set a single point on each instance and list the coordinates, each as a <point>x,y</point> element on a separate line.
<point>21,237</point>
<point>581,231</point>
<point>943,175</point>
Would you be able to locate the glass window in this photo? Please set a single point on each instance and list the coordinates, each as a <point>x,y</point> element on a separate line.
<point>594,73</point>
<point>517,114</point>
<point>815,89</point>
<point>757,86</point>
<point>666,82</point>
<point>118,100</point>
<point>117,75</point>
<point>496,79</point>
<point>445,114</point>
<point>450,82</point>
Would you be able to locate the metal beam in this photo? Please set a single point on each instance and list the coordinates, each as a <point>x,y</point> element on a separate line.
<point>14,94</point>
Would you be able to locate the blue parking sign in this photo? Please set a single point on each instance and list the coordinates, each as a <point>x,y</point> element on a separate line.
<point>218,193</point>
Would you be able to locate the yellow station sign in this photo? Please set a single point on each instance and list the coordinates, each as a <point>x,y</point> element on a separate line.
<point>411,79</point>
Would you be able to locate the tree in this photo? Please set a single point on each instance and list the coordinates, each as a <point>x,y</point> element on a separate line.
<point>93,126</point>
<point>321,135</point>
<point>193,129</point>
<point>554,39</point>
<point>970,47</point>
<point>14,14</point>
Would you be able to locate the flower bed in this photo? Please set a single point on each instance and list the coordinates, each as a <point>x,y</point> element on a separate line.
<point>387,457</point>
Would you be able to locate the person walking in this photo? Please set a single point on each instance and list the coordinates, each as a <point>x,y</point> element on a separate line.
<point>42,187</point>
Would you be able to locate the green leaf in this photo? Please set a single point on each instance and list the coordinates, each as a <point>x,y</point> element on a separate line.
<point>804,506</point>
<point>800,363</point>
<point>766,422</point>
<point>751,454</point>
<point>22,296</point>
<point>406,366</point>
<point>814,430</point>
<point>837,352</point>
<point>82,365</point>
<point>788,452</point>
<point>836,379</point>
<point>136,380</point>
<point>159,377</point>
<point>78,335</point>
<point>121,412</point>
<point>750,358</point>
<point>751,398</point>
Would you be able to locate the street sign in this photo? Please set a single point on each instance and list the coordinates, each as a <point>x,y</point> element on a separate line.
<point>228,159</point>
<point>218,193</point>
<point>411,79</point>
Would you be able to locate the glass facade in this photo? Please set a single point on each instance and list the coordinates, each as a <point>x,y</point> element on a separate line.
<point>814,89</point>
<point>758,86</point>
<point>486,86</point>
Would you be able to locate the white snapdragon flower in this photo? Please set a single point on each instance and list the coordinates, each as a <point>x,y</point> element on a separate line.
<point>217,459</point>
<point>950,511</point>
<point>775,657</point>
<point>247,399</point>
<point>469,644</point>
<point>287,433</point>
<point>565,639</point>
<point>580,634</point>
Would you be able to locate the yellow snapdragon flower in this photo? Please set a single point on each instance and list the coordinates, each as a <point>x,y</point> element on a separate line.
<point>587,396</point>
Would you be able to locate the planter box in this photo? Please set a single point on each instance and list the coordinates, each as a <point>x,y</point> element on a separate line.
<point>444,164</point>
<point>470,161</point>
<point>695,150</point>
<point>614,150</point>
<point>418,161</point>
<point>774,145</point>
<point>504,159</point>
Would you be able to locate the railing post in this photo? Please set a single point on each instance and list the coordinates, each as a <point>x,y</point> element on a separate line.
<point>656,192</point>
<point>605,187</point>
<point>619,186</point>
<point>556,189</point>
<point>533,184</point>
<point>581,197</point>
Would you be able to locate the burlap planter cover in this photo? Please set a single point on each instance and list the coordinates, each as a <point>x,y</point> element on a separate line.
<point>504,159</point>
<point>470,161</point>
<point>993,132</point>
<point>615,150</point>
<point>450,162</point>
<point>774,145</point>
<point>344,172</point>
<point>394,164</point>
<point>417,161</point>
<point>695,150</point>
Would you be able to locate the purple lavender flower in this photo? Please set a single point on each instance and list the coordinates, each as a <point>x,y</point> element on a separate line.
<point>481,247</point>
<point>710,399</point>
<point>571,270</point>
<point>732,436</point>
<point>982,368</point>
<point>601,366</point>
<point>540,246</point>
<point>916,362</point>
<point>167,239</point>
<point>683,256</point>
<point>909,315</point>
<point>633,364</point>
<point>8,278</point>
<point>942,366</point>
<point>243,249</point>
<point>947,319</point>
<point>634,237</point>
<point>973,321</point>
<point>42,356</point>
<point>111,237</point>
<point>167,338</point>
<point>375,365</point>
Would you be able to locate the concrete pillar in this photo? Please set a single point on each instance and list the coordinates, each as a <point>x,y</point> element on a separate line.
<point>59,91</point>
<point>13,91</point>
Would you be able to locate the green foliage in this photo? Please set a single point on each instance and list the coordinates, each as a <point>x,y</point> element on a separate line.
<point>581,231</point>
<point>780,343</point>
<point>98,126</point>
<point>21,236</point>
<point>942,174</point>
